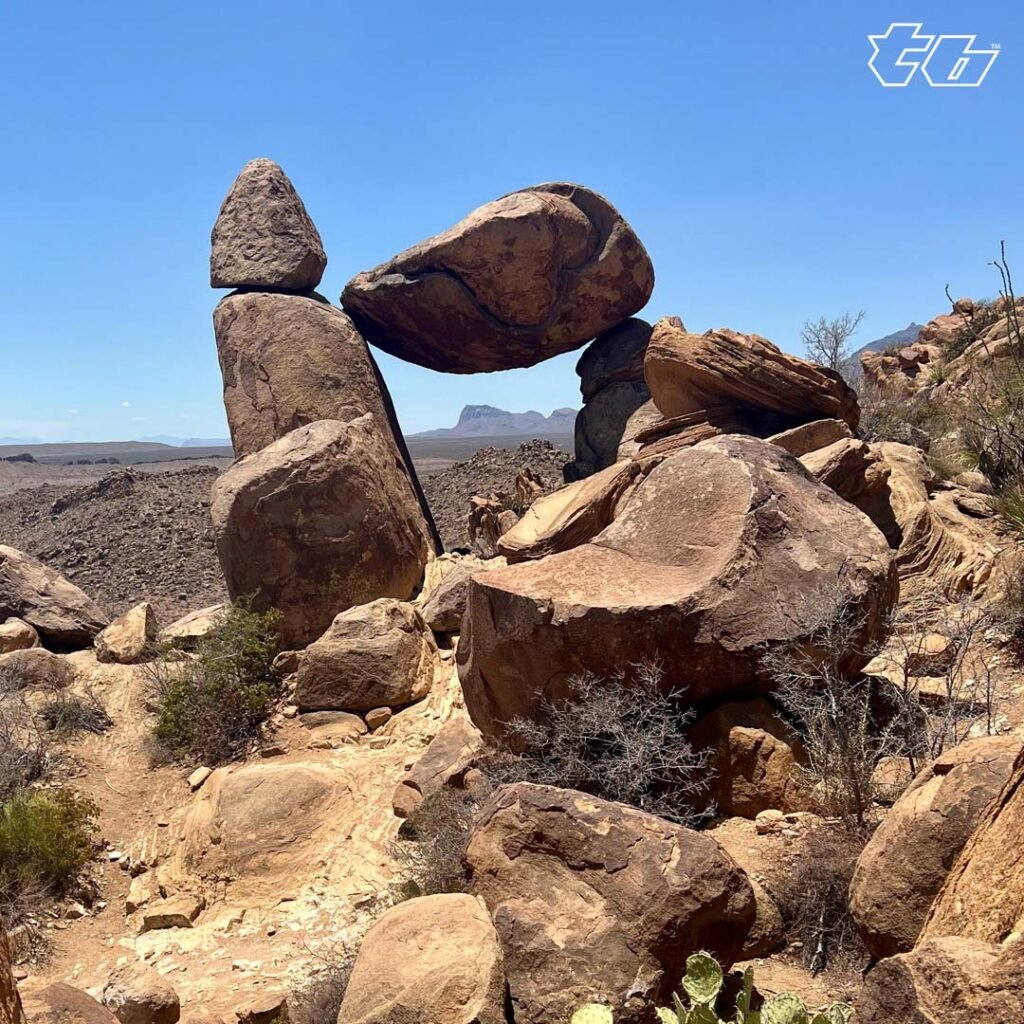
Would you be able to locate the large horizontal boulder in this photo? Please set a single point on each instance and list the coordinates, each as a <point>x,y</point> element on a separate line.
<point>594,900</point>
<point>263,237</point>
<point>688,372</point>
<point>323,519</point>
<point>63,616</point>
<point>535,273</point>
<point>431,960</point>
<point>946,981</point>
<point>907,860</point>
<point>723,551</point>
<point>380,654</point>
<point>983,896</point>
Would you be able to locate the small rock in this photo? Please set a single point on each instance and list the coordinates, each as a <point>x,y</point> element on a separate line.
<point>137,994</point>
<point>378,717</point>
<point>198,777</point>
<point>175,912</point>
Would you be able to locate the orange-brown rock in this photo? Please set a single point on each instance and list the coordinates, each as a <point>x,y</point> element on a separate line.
<point>721,552</point>
<point>323,519</point>
<point>597,900</point>
<point>126,640</point>
<point>17,635</point>
<point>453,752</point>
<point>62,1004</point>
<point>810,437</point>
<point>772,390</point>
<point>10,1003</point>
<point>907,860</point>
<point>35,669</point>
<point>535,273</point>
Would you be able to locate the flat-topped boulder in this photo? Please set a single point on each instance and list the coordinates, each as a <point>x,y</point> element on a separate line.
<point>538,272</point>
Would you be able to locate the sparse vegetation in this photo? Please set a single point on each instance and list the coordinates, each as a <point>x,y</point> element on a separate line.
<point>318,999</point>
<point>67,714</point>
<point>827,341</point>
<point>22,745</point>
<point>623,738</point>
<point>210,704</point>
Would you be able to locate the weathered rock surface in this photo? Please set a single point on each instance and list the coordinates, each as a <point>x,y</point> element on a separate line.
<point>62,1004</point>
<point>945,981</point>
<point>908,858</point>
<point>755,759</point>
<point>659,583</point>
<point>17,635</point>
<point>535,273</point>
<point>983,895</point>
<point>614,356</point>
<point>380,654</point>
<point>602,426</point>
<point>454,751</point>
<point>137,994</point>
<point>10,1002</point>
<point>809,437</point>
<point>263,237</point>
<point>746,373</point>
<point>445,603</point>
<point>61,614</point>
<point>127,638</point>
<point>597,900</point>
<point>435,960</point>
<point>186,632</point>
<point>768,933</point>
<point>323,519</point>
<point>36,669</point>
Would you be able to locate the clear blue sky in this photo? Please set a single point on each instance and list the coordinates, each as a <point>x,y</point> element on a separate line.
<point>769,174</point>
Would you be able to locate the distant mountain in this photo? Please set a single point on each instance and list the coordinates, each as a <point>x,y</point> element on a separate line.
<point>898,339</point>
<point>487,421</point>
<point>20,440</point>
<point>188,442</point>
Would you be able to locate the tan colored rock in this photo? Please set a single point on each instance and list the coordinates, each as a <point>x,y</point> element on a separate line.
<point>453,752</point>
<point>535,273</point>
<point>597,900</point>
<point>945,981</point>
<point>688,372</point>
<point>36,669</point>
<point>10,1002</point>
<point>755,759</point>
<point>323,519</point>
<point>61,1004</point>
<point>266,1008</point>
<point>126,640</point>
<point>768,933</point>
<point>569,516</point>
<point>137,994</point>
<point>263,237</point>
<point>615,356</point>
<point>445,601</point>
<point>186,633</point>
<point>177,911</point>
<point>990,865</point>
<point>63,616</point>
<point>488,520</point>
<point>658,583</point>
<point>375,655</point>
<point>809,437</point>
<point>434,960</point>
<point>907,860</point>
<point>16,635</point>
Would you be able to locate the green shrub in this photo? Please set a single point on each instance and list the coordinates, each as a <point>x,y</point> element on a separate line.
<point>702,986</point>
<point>212,703</point>
<point>45,844</point>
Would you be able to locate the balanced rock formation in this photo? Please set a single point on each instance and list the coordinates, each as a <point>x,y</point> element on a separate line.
<point>319,521</point>
<point>434,960</point>
<point>745,374</point>
<point>907,860</point>
<point>526,277</point>
<point>128,637</point>
<point>375,655</point>
<point>596,900</point>
<point>785,555</point>
<point>64,617</point>
<point>263,237</point>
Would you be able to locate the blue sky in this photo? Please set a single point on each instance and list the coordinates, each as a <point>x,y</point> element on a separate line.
<point>769,174</point>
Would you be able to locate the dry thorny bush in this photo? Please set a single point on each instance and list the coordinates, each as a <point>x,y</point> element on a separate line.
<point>318,998</point>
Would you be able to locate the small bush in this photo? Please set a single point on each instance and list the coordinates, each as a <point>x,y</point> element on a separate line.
<point>212,703</point>
<point>22,746</point>
<point>622,739</point>
<point>1009,612</point>
<point>318,999</point>
<point>45,844</point>
<point>985,315</point>
<point>1010,505</point>
<point>67,714</point>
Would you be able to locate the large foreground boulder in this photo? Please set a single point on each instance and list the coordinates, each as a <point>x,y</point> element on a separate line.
<point>263,237</point>
<point>376,655</point>
<point>595,900</point>
<point>946,981</point>
<point>431,960</point>
<point>137,994</point>
<point>63,1004</point>
<point>319,521</point>
<point>535,273</point>
<point>908,858</point>
<point>744,373</point>
<point>63,616</point>
<point>724,551</point>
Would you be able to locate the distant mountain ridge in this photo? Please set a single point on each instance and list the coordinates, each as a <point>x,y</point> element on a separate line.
<point>898,339</point>
<point>489,421</point>
<point>188,442</point>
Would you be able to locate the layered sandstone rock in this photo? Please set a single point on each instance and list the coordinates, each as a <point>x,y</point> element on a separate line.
<point>128,637</point>
<point>783,556</point>
<point>433,959</point>
<point>810,437</point>
<point>535,273</point>
<point>64,617</point>
<point>596,900</point>
<point>380,654</point>
<point>263,237</point>
<point>771,390</point>
<point>323,519</point>
<point>907,860</point>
